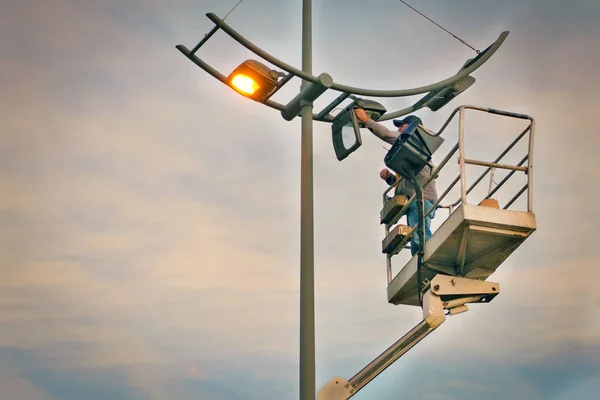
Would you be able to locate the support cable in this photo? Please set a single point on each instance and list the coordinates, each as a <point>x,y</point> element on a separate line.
<point>441,27</point>
<point>230,11</point>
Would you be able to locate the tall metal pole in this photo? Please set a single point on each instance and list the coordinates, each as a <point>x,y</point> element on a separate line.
<point>307,265</point>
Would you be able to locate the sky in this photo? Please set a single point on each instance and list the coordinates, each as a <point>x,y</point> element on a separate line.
<point>150,226</point>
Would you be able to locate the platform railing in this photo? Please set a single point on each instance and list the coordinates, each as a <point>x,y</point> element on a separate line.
<point>459,148</point>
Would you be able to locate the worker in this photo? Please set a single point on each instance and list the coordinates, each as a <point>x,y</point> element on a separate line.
<point>404,187</point>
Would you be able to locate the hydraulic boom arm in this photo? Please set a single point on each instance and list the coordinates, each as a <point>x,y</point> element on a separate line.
<point>444,294</point>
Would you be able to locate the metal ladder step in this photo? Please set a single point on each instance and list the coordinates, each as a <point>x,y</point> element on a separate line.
<point>392,208</point>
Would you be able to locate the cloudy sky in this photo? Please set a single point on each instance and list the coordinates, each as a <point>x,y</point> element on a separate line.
<point>149,232</point>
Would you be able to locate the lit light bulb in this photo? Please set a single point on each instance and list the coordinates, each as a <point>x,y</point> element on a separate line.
<point>244,84</point>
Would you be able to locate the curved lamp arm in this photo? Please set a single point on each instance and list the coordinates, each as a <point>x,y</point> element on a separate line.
<point>347,91</point>
<point>469,67</point>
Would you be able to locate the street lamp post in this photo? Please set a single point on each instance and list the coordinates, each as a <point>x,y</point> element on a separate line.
<point>307,257</point>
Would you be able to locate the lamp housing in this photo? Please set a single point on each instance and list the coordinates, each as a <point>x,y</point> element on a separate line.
<point>345,128</point>
<point>445,95</point>
<point>254,79</point>
<point>412,150</point>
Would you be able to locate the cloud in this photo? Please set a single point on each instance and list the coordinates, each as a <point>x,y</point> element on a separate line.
<point>16,387</point>
<point>150,217</point>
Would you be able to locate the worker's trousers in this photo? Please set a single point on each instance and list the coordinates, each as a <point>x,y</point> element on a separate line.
<point>412,217</point>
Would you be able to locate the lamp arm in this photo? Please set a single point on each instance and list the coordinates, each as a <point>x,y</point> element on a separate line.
<point>468,68</point>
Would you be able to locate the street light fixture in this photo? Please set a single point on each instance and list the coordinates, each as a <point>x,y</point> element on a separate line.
<point>413,151</point>
<point>254,79</point>
<point>444,96</point>
<point>345,129</point>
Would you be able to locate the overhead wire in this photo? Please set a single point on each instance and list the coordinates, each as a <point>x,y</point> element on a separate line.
<point>441,27</point>
<point>230,11</point>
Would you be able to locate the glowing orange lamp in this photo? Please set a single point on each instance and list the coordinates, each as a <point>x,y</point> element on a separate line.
<point>254,80</point>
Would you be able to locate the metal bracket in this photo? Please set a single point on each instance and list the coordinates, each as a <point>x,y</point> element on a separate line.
<point>447,287</point>
<point>337,388</point>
